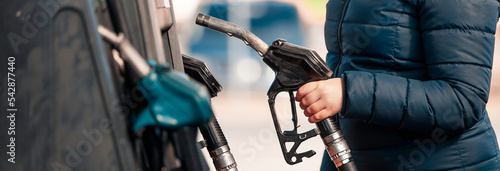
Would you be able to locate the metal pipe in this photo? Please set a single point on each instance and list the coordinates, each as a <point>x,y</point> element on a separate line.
<point>128,53</point>
<point>232,30</point>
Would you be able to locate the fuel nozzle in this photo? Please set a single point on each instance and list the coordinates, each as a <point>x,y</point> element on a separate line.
<point>173,100</point>
<point>215,141</point>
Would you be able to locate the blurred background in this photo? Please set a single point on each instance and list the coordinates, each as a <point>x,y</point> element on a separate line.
<point>241,107</point>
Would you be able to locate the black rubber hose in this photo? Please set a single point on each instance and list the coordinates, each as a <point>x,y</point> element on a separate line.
<point>348,167</point>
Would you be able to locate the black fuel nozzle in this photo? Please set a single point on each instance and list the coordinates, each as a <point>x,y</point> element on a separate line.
<point>294,66</point>
<point>215,140</point>
<point>200,72</point>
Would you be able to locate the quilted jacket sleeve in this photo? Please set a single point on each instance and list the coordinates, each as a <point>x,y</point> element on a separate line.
<point>458,42</point>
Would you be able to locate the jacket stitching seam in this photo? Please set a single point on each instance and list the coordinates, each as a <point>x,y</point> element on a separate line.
<point>485,160</point>
<point>381,57</point>
<point>460,154</point>
<point>419,3</point>
<point>403,12</point>
<point>409,59</point>
<point>461,63</point>
<point>373,97</point>
<point>405,107</point>
<point>396,34</point>
<point>458,167</point>
<point>462,30</point>
<point>461,110</point>
<point>377,25</point>
<point>492,141</point>
<point>470,87</point>
<point>490,130</point>
<point>393,56</point>
<point>345,101</point>
<point>431,108</point>
<point>414,7</point>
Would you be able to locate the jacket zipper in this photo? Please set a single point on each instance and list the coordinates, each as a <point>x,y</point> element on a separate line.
<point>339,39</point>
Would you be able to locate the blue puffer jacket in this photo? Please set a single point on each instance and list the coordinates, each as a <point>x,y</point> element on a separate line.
<point>417,77</point>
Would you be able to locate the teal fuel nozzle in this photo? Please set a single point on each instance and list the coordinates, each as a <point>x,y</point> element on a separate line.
<point>174,101</point>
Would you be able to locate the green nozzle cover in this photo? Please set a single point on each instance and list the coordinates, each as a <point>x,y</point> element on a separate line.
<point>173,101</point>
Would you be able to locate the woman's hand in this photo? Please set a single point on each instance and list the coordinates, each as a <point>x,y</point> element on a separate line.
<point>321,99</point>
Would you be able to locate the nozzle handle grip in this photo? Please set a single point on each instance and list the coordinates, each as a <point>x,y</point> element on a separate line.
<point>213,135</point>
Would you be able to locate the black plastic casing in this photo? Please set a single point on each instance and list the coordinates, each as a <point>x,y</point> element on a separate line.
<point>199,71</point>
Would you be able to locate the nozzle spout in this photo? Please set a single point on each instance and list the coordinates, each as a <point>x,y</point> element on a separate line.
<point>233,30</point>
